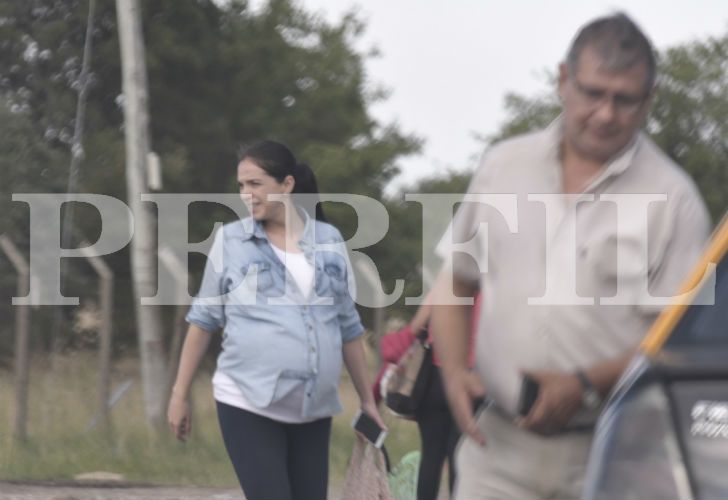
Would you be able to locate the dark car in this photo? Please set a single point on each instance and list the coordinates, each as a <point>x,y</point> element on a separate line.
<point>664,432</point>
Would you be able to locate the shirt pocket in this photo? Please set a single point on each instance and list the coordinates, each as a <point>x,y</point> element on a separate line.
<point>264,277</point>
<point>253,278</point>
<point>335,273</point>
<point>612,261</point>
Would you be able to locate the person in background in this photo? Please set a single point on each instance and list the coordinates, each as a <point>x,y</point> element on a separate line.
<point>284,334</point>
<point>439,433</point>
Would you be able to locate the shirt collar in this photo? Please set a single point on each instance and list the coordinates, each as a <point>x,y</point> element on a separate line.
<point>615,166</point>
<point>254,229</point>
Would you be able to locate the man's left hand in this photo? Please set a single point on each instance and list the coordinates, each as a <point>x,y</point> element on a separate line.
<point>559,399</point>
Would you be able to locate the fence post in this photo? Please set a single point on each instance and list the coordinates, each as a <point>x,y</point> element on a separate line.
<point>22,339</point>
<point>106,298</point>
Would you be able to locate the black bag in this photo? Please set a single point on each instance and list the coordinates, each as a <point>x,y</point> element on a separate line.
<point>406,386</point>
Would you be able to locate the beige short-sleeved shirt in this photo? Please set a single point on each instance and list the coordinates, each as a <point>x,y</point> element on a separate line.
<point>576,239</point>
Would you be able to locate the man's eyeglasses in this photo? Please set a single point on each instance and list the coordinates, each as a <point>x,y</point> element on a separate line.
<point>624,103</point>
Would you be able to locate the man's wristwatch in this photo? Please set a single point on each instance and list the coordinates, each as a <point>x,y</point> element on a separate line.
<point>590,397</point>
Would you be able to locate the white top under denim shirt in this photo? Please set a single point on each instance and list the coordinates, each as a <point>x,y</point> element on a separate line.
<point>275,338</point>
<point>288,406</point>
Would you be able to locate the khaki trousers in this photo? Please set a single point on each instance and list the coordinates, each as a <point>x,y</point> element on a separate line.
<point>516,464</point>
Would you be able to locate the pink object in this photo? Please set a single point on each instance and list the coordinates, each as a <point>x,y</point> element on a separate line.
<point>394,345</point>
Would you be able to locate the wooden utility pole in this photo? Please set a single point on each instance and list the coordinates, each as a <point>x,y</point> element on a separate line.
<point>74,171</point>
<point>143,245</point>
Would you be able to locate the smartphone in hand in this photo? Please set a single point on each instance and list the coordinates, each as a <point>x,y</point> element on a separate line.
<point>369,429</point>
<point>528,396</point>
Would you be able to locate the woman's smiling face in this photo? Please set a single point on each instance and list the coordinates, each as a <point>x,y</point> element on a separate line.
<point>255,186</point>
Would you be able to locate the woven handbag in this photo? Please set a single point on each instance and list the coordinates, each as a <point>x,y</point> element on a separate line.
<point>366,477</point>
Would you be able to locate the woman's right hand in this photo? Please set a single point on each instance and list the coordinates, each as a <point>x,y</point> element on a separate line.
<point>179,417</point>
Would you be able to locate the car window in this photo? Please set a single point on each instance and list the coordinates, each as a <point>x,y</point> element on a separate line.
<point>706,324</point>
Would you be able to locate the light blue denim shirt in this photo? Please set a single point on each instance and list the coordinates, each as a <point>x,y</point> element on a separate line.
<point>273,337</point>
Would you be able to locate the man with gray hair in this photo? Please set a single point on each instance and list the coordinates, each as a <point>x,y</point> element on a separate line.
<point>607,227</point>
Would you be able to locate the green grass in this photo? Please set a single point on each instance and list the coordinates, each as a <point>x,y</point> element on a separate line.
<point>62,403</point>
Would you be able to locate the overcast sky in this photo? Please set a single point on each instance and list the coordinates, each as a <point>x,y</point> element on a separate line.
<point>448,63</point>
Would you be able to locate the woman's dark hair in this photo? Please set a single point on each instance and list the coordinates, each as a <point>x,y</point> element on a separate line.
<point>278,162</point>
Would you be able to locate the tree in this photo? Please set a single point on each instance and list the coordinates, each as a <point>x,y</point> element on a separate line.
<point>402,250</point>
<point>26,164</point>
<point>219,75</point>
<point>526,113</point>
<point>688,115</point>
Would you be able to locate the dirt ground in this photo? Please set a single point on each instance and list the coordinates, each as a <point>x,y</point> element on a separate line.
<point>13,491</point>
<point>16,491</point>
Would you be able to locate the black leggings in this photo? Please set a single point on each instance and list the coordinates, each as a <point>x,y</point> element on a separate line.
<point>439,435</point>
<point>274,460</point>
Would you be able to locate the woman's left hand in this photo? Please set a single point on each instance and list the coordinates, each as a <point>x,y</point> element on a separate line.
<point>370,408</point>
